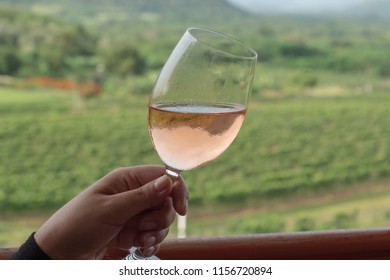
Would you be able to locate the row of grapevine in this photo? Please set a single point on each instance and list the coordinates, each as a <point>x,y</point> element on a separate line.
<point>50,152</point>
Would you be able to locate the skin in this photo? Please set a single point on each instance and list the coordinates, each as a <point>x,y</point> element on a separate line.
<point>130,206</point>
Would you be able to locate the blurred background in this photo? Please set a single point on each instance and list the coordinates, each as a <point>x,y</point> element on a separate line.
<point>314,150</point>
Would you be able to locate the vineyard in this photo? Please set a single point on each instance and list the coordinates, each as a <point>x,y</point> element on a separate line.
<point>52,150</point>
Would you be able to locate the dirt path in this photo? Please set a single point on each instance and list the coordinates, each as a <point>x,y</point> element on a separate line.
<point>325,197</point>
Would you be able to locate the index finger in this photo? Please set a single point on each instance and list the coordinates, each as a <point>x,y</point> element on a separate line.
<point>141,174</point>
<point>129,178</point>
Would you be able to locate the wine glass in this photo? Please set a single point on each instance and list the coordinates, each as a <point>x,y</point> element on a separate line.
<point>199,100</point>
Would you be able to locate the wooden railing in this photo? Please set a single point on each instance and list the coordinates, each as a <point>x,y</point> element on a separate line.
<point>373,243</point>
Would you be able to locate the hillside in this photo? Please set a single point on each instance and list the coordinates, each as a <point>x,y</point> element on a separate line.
<point>60,38</point>
<point>134,13</point>
<point>36,44</point>
<point>135,22</point>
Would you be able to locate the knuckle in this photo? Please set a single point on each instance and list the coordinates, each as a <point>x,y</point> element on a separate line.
<point>142,194</point>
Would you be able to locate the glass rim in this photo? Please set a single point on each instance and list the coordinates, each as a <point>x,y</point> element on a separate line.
<point>227,37</point>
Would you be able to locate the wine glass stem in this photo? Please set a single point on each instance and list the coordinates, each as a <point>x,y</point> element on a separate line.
<point>173,174</point>
<point>136,253</point>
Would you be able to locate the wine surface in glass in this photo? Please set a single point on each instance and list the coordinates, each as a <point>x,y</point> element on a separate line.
<point>189,135</point>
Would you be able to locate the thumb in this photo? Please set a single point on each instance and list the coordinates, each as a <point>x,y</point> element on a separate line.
<point>147,196</point>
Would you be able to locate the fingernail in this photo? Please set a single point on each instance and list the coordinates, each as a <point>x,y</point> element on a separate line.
<point>162,183</point>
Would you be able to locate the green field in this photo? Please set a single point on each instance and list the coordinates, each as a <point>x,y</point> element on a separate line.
<point>51,148</point>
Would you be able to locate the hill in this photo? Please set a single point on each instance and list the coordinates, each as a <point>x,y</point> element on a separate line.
<point>36,44</point>
<point>295,6</point>
<point>358,8</point>
<point>98,25</point>
<point>58,38</point>
<point>134,13</point>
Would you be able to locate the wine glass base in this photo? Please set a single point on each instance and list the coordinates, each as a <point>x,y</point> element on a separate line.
<point>133,256</point>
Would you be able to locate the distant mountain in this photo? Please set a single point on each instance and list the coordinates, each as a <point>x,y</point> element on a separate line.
<point>295,6</point>
<point>218,14</point>
<point>360,8</point>
<point>135,12</point>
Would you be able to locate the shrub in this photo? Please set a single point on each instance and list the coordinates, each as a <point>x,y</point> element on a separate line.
<point>298,50</point>
<point>343,220</point>
<point>304,80</point>
<point>264,224</point>
<point>124,60</point>
<point>9,61</point>
<point>304,224</point>
<point>383,71</point>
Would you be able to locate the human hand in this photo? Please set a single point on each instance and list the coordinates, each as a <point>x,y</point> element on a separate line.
<point>130,206</point>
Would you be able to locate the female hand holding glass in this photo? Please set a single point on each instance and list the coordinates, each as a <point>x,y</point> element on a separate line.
<point>129,206</point>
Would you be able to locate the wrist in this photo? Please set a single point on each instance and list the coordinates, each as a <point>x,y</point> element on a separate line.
<point>30,250</point>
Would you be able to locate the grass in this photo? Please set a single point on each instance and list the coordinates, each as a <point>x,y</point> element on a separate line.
<point>366,205</point>
<point>15,228</point>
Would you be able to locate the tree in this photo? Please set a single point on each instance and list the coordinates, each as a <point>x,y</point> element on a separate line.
<point>75,40</point>
<point>124,60</point>
<point>9,61</point>
<point>299,49</point>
